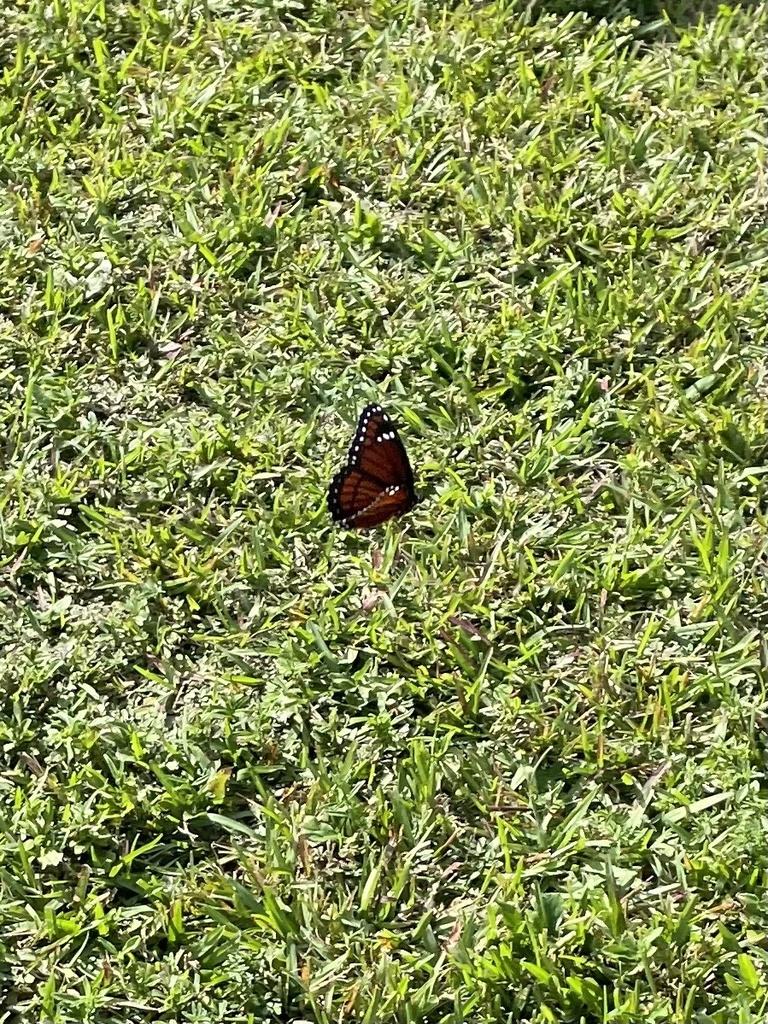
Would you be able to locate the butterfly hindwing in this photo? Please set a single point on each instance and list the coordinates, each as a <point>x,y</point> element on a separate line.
<point>377,482</point>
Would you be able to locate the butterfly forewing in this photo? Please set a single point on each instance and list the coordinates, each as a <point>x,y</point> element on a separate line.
<point>377,449</point>
<point>377,482</point>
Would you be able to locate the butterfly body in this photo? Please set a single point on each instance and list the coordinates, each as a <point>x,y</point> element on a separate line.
<point>377,481</point>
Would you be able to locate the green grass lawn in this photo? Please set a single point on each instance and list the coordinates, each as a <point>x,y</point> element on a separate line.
<point>502,760</point>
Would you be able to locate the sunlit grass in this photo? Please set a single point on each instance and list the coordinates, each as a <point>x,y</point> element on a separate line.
<point>503,760</point>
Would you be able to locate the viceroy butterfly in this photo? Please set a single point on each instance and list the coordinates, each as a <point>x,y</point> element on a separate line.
<point>377,481</point>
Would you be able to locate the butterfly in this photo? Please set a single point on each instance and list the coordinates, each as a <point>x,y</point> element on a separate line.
<point>377,481</point>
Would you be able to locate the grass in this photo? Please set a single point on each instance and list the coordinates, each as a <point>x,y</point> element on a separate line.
<point>503,760</point>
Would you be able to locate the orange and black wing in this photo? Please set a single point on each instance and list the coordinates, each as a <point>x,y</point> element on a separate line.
<point>377,481</point>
